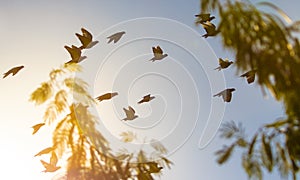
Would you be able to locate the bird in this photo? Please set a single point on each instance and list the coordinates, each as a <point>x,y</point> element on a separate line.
<point>158,54</point>
<point>13,71</point>
<point>75,54</point>
<point>106,96</point>
<point>146,98</point>
<point>51,167</point>
<point>86,39</point>
<point>37,127</point>
<point>202,18</point>
<point>115,37</point>
<point>250,76</point>
<point>223,64</point>
<point>130,114</point>
<point>226,94</point>
<point>210,29</point>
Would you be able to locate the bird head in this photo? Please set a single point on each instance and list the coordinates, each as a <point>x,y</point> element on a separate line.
<point>232,89</point>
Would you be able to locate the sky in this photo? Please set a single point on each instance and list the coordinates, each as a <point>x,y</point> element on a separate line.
<point>183,116</point>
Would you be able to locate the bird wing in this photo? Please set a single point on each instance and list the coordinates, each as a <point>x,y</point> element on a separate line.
<point>221,61</point>
<point>104,97</point>
<point>147,96</point>
<point>159,50</point>
<point>218,94</point>
<point>53,159</point>
<point>245,74</point>
<point>131,109</point>
<point>154,50</point>
<point>74,53</point>
<point>44,151</point>
<point>204,17</point>
<point>86,34</point>
<point>85,41</point>
<point>127,112</point>
<point>141,101</point>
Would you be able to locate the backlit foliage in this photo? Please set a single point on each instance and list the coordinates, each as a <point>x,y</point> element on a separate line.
<point>75,135</point>
<point>268,43</point>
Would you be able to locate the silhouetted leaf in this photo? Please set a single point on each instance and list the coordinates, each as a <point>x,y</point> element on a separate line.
<point>128,136</point>
<point>251,146</point>
<point>224,154</point>
<point>41,94</point>
<point>267,151</point>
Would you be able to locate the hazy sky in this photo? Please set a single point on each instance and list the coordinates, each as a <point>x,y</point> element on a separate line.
<point>33,34</point>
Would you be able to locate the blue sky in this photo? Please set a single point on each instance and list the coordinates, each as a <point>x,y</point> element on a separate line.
<point>33,34</point>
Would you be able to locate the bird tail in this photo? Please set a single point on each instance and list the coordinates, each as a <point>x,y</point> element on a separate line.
<point>218,68</point>
<point>205,35</point>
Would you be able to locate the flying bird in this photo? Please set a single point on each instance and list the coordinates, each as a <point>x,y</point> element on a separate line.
<point>51,167</point>
<point>115,37</point>
<point>75,54</point>
<point>158,54</point>
<point>210,29</point>
<point>130,114</point>
<point>106,96</point>
<point>146,98</point>
<point>13,71</point>
<point>250,76</point>
<point>202,18</point>
<point>226,94</point>
<point>37,127</point>
<point>86,39</point>
<point>223,64</point>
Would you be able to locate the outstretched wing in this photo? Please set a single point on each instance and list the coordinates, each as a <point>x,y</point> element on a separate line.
<point>131,109</point>
<point>86,33</point>
<point>159,50</point>
<point>221,61</point>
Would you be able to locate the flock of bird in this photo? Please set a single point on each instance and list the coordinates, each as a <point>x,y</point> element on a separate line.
<point>211,30</point>
<point>87,42</point>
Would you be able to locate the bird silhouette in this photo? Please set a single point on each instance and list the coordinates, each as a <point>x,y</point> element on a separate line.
<point>37,127</point>
<point>146,98</point>
<point>13,71</point>
<point>130,114</point>
<point>115,37</point>
<point>250,76</point>
<point>51,167</point>
<point>226,94</point>
<point>202,18</point>
<point>158,54</point>
<point>210,29</point>
<point>75,54</point>
<point>106,96</point>
<point>223,64</point>
<point>86,39</point>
